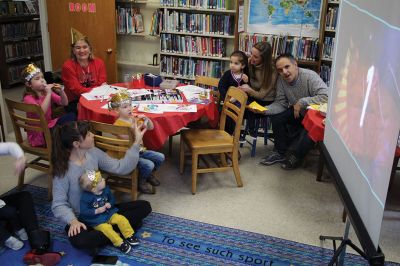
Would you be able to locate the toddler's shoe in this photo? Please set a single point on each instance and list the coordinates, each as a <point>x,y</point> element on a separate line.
<point>145,187</point>
<point>125,247</point>
<point>133,241</point>
<point>22,234</point>
<point>153,180</point>
<point>13,243</point>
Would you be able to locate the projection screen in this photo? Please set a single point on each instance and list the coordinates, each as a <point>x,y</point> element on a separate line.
<point>363,119</point>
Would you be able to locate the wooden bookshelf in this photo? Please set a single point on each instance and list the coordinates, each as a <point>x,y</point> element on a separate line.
<point>135,49</point>
<point>189,45</point>
<point>329,21</point>
<point>20,39</point>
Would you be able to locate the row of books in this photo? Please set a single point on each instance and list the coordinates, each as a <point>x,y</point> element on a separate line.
<point>14,72</point>
<point>129,20</point>
<point>193,45</point>
<point>300,48</point>
<point>331,18</point>
<point>23,49</point>
<point>19,30</point>
<point>325,73</point>
<point>208,4</point>
<point>176,21</point>
<point>17,8</point>
<point>328,46</point>
<point>189,68</point>
<point>156,23</point>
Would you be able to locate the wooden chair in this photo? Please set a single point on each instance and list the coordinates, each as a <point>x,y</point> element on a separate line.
<point>105,138</point>
<point>21,123</point>
<point>216,141</point>
<point>205,82</point>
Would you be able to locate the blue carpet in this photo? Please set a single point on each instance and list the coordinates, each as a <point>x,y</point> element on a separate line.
<point>168,240</point>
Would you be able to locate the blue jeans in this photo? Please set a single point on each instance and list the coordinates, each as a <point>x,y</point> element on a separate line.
<point>149,161</point>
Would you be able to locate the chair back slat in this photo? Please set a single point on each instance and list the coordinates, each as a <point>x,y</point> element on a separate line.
<point>209,83</point>
<point>234,110</point>
<point>21,122</point>
<point>106,138</point>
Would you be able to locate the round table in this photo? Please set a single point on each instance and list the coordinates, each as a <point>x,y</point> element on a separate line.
<point>165,125</point>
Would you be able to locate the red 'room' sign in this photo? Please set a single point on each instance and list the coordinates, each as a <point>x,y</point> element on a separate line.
<point>82,7</point>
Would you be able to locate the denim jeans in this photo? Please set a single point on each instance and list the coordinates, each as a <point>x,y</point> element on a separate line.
<point>149,161</point>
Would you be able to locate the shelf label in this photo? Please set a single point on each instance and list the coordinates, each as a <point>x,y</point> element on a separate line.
<point>82,7</point>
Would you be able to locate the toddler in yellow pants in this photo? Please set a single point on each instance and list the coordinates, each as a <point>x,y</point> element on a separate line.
<point>97,210</point>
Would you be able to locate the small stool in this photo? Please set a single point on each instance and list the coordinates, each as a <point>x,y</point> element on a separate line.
<point>261,126</point>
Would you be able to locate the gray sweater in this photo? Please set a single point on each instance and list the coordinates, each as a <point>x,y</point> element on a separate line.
<point>66,189</point>
<point>308,89</point>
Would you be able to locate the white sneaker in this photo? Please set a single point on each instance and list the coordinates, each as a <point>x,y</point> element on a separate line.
<point>22,234</point>
<point>13,243</point>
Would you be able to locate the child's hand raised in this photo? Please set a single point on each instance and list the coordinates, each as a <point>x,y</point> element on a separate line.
<point>138,131</point>
<point>58,88</point>
<point>245,78</point>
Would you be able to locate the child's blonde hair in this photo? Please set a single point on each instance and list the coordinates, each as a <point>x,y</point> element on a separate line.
<point>118,99</point>
<point>89,180</point>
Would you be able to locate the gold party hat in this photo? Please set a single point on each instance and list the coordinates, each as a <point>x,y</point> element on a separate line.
<point>30,71</point>
<point>76,35</point>
<point>118,99</point>
<point>94,177</point>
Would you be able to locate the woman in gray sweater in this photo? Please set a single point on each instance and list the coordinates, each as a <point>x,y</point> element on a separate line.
<point>73,153</point>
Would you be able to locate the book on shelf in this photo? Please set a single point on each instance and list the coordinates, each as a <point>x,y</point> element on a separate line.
<point>204,4</point>
<point>302,48</point>
<point>139,25</point>
<point>190,68</point>
<point>12,8</point>
<point>184,22</point>
<point>193,45</point>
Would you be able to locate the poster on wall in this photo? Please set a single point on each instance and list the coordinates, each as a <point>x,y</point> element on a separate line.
<point>285,17</point>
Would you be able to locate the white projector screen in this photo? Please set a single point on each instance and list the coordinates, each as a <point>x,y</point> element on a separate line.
<point>363,119</point>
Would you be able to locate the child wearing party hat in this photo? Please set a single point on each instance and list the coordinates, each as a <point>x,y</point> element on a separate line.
<point>38,92</point>
<point>97,209</point>
<point>149,161</point>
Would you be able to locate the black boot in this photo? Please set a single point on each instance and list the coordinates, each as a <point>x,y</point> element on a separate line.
<point>39,241</point>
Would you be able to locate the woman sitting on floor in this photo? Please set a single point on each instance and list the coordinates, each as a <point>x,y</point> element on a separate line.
<point>72,154</point>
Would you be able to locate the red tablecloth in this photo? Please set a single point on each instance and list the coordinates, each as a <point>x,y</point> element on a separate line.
<point>165,124</point>
<point>312,122</point>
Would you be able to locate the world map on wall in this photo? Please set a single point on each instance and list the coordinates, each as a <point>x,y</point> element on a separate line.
<point>292,17</point>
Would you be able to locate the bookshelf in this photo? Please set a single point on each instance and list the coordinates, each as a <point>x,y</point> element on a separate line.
<point>196,38</point>
<point>331,8</point>
<point>20,39</point>
<point>136,46</point>
<point>306,50</point>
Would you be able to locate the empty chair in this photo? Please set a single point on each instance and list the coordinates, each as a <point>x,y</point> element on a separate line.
<point>216,141</point>
<point>204,82</point>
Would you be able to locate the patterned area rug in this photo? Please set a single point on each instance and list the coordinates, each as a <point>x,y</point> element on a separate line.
<point>168,240</point>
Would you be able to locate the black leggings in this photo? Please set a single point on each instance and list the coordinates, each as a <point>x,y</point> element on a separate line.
<point>22,203</point>
<point>90,240</point>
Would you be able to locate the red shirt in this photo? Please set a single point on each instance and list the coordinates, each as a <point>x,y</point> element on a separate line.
<point>78,80</point>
